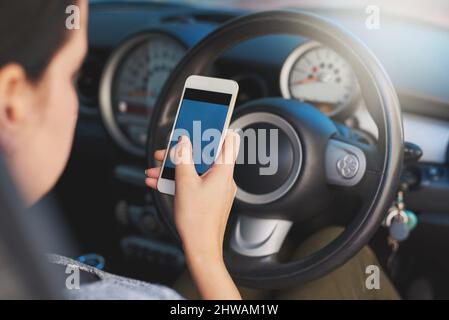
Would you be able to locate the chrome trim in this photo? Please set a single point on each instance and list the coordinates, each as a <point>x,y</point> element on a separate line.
<point>264,117</point>
<point>257,237</point>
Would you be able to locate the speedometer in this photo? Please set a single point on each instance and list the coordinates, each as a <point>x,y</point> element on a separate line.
<point>317,74</point>
<point>132,81</point>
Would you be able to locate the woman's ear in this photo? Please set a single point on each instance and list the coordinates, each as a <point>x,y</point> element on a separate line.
<point>15,93</point>
<point>15,90</point>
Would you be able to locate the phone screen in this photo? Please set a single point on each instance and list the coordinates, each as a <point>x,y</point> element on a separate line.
<point>202,117</point>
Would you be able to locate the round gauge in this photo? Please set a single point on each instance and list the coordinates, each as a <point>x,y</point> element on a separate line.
<point>132,81</point>
<point>318,75</point>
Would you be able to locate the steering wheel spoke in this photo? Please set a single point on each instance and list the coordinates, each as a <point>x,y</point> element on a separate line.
<point>258,237</point>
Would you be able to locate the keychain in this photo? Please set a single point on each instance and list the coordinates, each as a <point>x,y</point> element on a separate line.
<point>399,223</point>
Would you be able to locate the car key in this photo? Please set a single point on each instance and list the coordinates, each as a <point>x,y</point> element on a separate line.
<point>399,230</point>
<point>399,222</point>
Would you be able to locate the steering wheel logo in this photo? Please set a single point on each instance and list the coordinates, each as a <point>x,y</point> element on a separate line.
<point>348,166</point>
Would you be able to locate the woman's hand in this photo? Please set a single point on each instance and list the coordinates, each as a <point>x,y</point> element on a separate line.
<point>202,206</point>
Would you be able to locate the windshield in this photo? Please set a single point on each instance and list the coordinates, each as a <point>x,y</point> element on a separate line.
<point>429,11</point>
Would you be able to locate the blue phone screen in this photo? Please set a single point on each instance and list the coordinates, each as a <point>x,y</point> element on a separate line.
<point>201,117</point>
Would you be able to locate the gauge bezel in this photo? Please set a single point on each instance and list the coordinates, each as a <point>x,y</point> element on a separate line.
<point>108,79</point>
<point>286,70</point>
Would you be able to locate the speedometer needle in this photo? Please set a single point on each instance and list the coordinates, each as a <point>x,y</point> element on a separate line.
<point>306,80</point>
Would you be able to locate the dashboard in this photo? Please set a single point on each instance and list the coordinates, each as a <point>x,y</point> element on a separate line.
<point>130,61</point>
<point>137,70</point>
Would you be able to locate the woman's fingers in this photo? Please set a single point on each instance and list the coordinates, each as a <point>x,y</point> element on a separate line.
<point>152,177</point>
<point>151,182</point>
<point>185,168</point>
<point>153,172</point>
<point>159,155</point>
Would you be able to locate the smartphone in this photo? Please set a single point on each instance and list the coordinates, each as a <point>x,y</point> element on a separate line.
<point>203,115</point>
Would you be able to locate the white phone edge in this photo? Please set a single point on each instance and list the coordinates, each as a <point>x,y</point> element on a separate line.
<point>168,186</point>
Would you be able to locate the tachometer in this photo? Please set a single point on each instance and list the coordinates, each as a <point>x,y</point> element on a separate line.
<point>132,81</point>
<point>317,74</point>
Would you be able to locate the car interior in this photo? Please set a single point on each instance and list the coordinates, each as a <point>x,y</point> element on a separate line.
<point>333,85</point>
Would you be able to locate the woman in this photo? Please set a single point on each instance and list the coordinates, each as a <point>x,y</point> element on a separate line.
<point>39,60</point>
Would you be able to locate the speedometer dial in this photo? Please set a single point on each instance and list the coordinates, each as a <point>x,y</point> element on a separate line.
<point>142,75</point>
<point>133,79</point>
<point>318,75</point>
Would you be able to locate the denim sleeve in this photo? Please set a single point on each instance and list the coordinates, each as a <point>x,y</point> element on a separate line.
<point>112,287</point>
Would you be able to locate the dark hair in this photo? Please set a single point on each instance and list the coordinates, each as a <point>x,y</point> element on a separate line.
<point>31,32</point>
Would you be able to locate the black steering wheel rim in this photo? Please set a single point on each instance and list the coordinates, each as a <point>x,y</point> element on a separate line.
<point>382,103</point>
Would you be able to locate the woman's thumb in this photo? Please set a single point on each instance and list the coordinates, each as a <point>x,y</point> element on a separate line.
<point>185,167</point>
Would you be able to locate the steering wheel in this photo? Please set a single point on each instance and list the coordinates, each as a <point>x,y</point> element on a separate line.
<point>316,162</point>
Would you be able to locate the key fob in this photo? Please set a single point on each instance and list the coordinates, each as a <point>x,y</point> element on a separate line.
<point>399,230</point>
